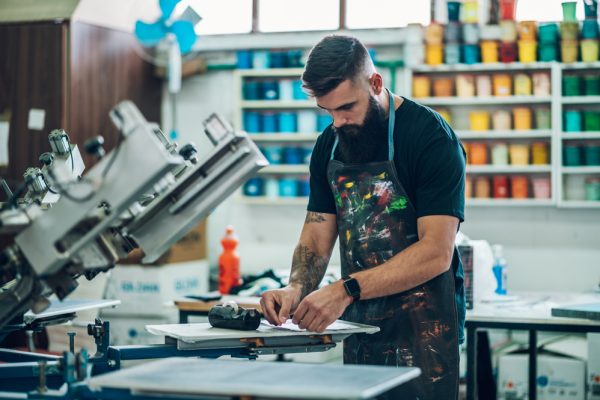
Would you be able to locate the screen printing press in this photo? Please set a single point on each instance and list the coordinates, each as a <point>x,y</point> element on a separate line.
<point>144,194</point>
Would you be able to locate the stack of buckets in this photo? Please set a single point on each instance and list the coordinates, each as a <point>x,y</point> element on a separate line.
<point>527,31</point>
<point>453,34</point>
<point>589,32</point>
<point>569,33</point>
<point>509,51</point>
<point>434,44</point>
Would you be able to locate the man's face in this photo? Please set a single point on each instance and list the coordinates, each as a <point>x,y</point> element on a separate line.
<point>359,121</point>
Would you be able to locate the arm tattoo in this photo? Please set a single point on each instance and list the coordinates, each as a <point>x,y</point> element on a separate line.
<point>308,269</point>
<point>313,217</point>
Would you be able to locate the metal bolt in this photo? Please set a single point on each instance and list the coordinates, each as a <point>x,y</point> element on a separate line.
<point>72,341</point>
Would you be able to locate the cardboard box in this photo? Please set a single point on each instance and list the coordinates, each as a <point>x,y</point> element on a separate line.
<point>148,290</point>
<point>593,374</point>
<point>557,378</point>
<point>126,331</point>
<point>189,248</point>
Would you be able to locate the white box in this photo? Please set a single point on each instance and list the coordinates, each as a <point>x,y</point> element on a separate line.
<point>557,377</point>
<point>147,290</point>
<point>593,375</point>
<point>132,331</point>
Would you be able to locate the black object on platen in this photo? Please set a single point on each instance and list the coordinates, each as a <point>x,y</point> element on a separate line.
<point>232,316</point>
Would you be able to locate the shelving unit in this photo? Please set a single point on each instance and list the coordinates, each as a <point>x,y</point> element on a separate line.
<point>477,101</point>
<point>571,180</point>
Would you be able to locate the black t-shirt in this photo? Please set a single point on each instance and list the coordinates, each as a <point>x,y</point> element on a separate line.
<point>430,163</point>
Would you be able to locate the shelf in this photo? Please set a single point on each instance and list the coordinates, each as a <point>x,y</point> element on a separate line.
<point>269,104</point>
<point>579,204</point>
<point>581,170</point>
<point>484,67</point>
<point>267,201</point>
<point>511,134</point>
<point>580,99</point>
<point>284,169</point>
<point>509,202</point>
<point>580,135</point>
<point>477,101</point>
<point>507,169</point>
<point>271,72</point>
<point>283,137</point>
<point>580,65</point>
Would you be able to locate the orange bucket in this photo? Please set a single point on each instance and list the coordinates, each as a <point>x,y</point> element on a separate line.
<point>519,187</point>
<point>522,118</point>
<point>502,85</point>
<point>421,86</point>
<point>434,54</point>
<point>478,152</point>
<point>489,51</point>
<point>479,120</point>
<point>443,87</point>
<point>527,30</point>
<point>482,187</point>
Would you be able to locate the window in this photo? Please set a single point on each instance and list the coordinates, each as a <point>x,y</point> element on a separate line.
<point>221,16</point>
<point>362,14</point>
<point>543,10</point>
<point>292,15</point>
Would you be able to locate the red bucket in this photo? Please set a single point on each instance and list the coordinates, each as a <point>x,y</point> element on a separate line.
<point>507,9</point>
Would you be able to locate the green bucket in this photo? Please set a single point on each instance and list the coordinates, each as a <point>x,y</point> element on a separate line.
<point>592,154</point>
<point>571,85</point>
<point>591,121</point>
<point>572,156</point>
<point>591,85</point>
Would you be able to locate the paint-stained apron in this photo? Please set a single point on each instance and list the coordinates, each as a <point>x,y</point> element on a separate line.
<point>376,220</point>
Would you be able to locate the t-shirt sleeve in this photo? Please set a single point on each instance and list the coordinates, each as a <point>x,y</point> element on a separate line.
<point>440,170</point>
<point>321,197</point>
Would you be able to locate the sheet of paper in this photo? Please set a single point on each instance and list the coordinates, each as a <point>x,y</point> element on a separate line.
<point>290,326</point>
<point>4,129</point>
<point>36,120</point>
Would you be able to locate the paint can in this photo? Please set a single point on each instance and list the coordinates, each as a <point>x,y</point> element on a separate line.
<point>479,120</point>
<point>307,121</point>
<point>484,85</point>
<point>452,53</point>
<point>523,85</point>
<point>288,187</point>
<point>252,122</point>
<point>294,58</point>
<point>478,153</point>
<point>568,51</point>
<point>501,120</point>
<point>541,83</point>
<point>274,154</point>
<point>260,59</point>
<point>465,85</point>
<point>271,188</point>
<point>591,121</point>
<point>499,154</point>
<point>572,121</point>
<point>489,51</point>
<point>253,187</point>
<point>539,153</point>
<point>589,50</point>
<point>519,154</point>
<point>454,10</point>
<point>304,187</point>
<point>548,52</point>
<point>421,86</point>
<point>548,33</point>
<point>571,85</point>
<point>414,34</point>
<point>590,9</point>
<point>453,32</point>
<point>569,11</point>
<point>414,54</point>
<point>244,59</point>
<point>569,30</point>
<point>502,85</point>
<point>443,87</point>
<point>591,85</point>
<point>527,31</point>
<point>470,12</point>
<point>270,90</point>
<point>541,188</point>
<point>251,90</point>
<point>288,122</point>
<point>470,53</point>
<point>508,52</point>
<point>286,89</point>
<point>269,122</point>
<point>592,189</point>
<point>482,187</point>
<point>323,121</point>
<point>434,34</point>
<point>434,54</point>
<point>299,93</point>
<point>292,156</point>
<point>468,187</point>
<point>508,29</point>
<point>543,118</point>
<point>490,32</point>
<point>519,186</point>
<point>277,59</point>
<point>572,155</point>
<point>500,186</point>
<point>527,51</point>
<point>522,118</point>
<point>507,9</point>
<point>471,33</point>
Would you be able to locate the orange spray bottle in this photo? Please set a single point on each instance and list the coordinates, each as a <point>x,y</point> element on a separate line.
<point>229,262</point>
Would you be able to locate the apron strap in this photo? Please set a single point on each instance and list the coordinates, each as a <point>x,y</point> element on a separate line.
<point>391,123</point>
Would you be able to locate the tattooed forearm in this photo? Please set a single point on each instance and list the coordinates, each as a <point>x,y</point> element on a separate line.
<point>308,269</point>
<point>313,217</point>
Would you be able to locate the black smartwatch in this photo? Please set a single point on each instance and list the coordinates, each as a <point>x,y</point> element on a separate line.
<point>352,288</point>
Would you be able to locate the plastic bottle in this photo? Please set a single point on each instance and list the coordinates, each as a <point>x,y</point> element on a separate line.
<point>499,270</point>
<point>229,262</point>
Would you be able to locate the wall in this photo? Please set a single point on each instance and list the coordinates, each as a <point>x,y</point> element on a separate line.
<point>547,248</point>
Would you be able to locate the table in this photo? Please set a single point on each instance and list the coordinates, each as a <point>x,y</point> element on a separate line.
<point>529,312</point>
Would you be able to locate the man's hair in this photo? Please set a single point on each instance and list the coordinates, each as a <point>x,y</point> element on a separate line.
<point>333,60</point>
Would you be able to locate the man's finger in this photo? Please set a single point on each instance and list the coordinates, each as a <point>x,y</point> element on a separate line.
<point>284,311</point>
<point>299,313</point>
<point>267,303</point>
<point>309,317</point>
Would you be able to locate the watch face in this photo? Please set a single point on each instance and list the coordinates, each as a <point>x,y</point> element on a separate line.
<point>352,287</point>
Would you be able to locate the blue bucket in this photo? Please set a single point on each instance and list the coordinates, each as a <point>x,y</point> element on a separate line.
<point>269,122</point>
<point>452,53</point>
<point>298,92</point>
<point>323,121</point>
<point>292,155</point>
<point>288,122</point>
<point>304,188</point>
<point>589,30</point>
<point>288,187</point>
<point>253,187</point>
<point>244,59</point>
<point>572,121</point>
<point>273,154</point>
<point>470,54</point>
<point>252,90</point>
<point>270,90</point>
<point>252,122</point>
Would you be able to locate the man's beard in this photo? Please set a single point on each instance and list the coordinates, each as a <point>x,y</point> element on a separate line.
<point>360,143</point>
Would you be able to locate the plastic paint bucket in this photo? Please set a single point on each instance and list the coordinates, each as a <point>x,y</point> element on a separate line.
<point>274,154</point>
<point>541,84</point>
<point>443,87</point>
<point>414,34</point>
<point>519,154</point>
<point>522,118</point>
<point>568,51</point>
<point>298,92</point>
<point>591,121</point>
<point>569,30</point>
<point>454,10</point>
<point>572,121</point>
<point>569,11</point>
<point>589,50</point>
<point>543,118</point>
<point>253,187</point>
<point>523,85</point>
<point>471,33</point>
<point>479,120</point>
<point>500,186</point>
<point>270,90</point>
<point>252,122</point>
<point>592,154</point>
<point>452,53</point>
<point>548,52</point>
<point>288,122</point>
<point>465,85</point>
<point>541,188</point>
<point>590,9</point>
<point>499,154</point>
<point>251,90</point>
<point>484,85</point>
<point>260,59</point>
<point>519,186</point>
<point>303,187</point>
<point>244,59</point>
<point>527,51</point>
<point>414,54</point>
<point>589,29</point>
<point>501,120</point>
<point>470,53</point>
<point>508,52</point>
<point>539,153</point>
<point>548,33</point>
<point>288,187</point>
<point>323,121</point>
<point>277,59</point>
<point>508,31</point>
<point>470,12</point>
<point>271,188</point>
<point>270,122</point>
<point>453,32</point>
<point>507,9</point>
<point>572,155</point>
<point>489,51</point>
<point>434,54</point>
<point>421,86</point>
<point>591,85</point>
<point>527,31</point>
<point>502,85</point>
<point>482,187</point>
<point>571,85</point>
<point>592,189</point>
<point>434,34</point>
<point>307,121</point>
<point>286,89</point>
<point>292,155</point>
<point>478,153</point>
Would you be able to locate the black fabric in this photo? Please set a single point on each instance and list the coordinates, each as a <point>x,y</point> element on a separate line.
<point>430,164</point>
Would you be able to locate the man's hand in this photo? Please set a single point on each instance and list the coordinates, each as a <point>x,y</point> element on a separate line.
<point>322,307</point>
<point>277,304</point>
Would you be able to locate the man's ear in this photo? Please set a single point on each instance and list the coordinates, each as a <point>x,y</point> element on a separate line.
<point>376,83</point>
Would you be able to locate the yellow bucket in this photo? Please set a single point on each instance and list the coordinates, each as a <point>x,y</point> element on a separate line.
<point>568,51</point>
<point>523,85</point>
<point>489,51</point>
<point>539,153</point>
<point>527,51</point>
<point>519,154</point>
<point>502,85</point>
<point>522,118</point>
<point>470,12</point>
<point>479,120</point>
<point>589,50</point>
<point>434,54</point>
<point>421,86</point>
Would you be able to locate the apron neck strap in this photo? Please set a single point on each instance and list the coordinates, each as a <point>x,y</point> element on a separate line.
<point>391,123</point>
